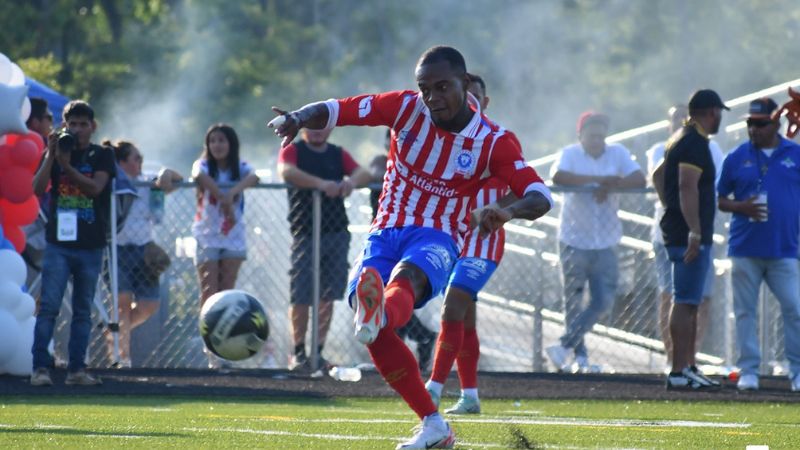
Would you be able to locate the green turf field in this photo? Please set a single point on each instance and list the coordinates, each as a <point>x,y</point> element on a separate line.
<point>153,422</point>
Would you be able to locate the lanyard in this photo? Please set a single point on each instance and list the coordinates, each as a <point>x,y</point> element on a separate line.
<point>763,166</point>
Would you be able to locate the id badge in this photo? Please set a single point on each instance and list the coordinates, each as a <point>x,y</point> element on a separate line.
<point>67,226</point>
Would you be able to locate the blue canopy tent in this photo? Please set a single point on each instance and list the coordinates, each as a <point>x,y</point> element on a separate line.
<point>55,100</point>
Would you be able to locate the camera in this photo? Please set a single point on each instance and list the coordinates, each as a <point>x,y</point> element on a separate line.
<point>66,141</point>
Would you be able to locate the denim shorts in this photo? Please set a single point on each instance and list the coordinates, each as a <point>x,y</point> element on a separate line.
<point>206,254</point>
<point>689,280</point>
<point>663,267</point>
<point>471,274</point>
<point>132,275</point>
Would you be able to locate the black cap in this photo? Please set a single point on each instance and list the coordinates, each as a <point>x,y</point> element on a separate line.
<point>762,108</point>
<point>706,98</point>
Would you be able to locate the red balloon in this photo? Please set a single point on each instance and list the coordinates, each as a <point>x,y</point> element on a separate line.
<point>19,214</point>
<point>37,139</point>
<point>16,184</point>
<point>25,155</point>
<point>16,236</point>
<point>5,156</point>
<point>12,139</point>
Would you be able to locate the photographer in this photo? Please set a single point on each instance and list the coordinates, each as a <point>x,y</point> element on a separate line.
<point>79,173</point>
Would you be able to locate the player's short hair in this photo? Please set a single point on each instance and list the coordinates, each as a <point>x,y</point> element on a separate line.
<point>477,79</point>
<point>78,108</point>
<point>442,53</point>
<point>39,109</point>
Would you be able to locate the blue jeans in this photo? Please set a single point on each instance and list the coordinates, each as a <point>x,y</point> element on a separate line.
<point>600,269</point>
<point>58,264</point>
<point>783,279</point>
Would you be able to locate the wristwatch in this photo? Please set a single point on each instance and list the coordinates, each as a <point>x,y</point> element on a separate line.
<point>695,236</point>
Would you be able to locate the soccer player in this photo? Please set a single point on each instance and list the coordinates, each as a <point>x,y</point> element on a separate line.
<point>458,340</point>
<point>442,152</point>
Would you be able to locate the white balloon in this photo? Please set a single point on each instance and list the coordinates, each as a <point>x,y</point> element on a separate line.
<point>11,98</point>
<point>10,295</point>
<point>5,69</point>
<point>17,77</point>
<point>12,267</point>
<point>25,307</point>
<point>9,337</point>
<point>26,110</point>
<point>21,364</point>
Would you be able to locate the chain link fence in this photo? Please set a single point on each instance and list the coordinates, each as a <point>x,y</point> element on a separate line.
<point>520,311</point>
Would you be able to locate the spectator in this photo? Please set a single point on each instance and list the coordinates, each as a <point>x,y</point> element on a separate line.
<point>77,231</point>
<point>40,121</point>
<point>218,225</point>
<point>589,231</point>
<point>137,282</point>
<point>415,330</point>
<point>314,163</point>
<point>677,115</point>
<point>763,171</point>
<point>685,185</point>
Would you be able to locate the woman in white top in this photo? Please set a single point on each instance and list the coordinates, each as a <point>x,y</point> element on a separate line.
<point>138,287</point>
<point>218,227</point>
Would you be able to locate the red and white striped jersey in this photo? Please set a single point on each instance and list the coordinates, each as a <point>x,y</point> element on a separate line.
<point>432,174</point>
<point>491,247</point>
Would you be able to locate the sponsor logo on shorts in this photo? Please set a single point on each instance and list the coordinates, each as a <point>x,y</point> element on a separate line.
<point>438,256</point>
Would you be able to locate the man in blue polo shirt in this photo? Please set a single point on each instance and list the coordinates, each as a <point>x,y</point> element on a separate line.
<point>763,174</point>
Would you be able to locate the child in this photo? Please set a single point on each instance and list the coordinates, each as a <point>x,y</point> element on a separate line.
<point>218,228</point>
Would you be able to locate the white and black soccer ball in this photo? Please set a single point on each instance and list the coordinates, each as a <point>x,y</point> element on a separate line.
<point>233,324</point>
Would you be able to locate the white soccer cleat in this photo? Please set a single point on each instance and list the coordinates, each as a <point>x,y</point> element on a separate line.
<point>369,306</point>
<point>465,405</point>
<point>434,432</point>
<point>560,356</point>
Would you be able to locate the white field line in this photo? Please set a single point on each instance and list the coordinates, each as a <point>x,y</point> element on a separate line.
<point>568,421</point>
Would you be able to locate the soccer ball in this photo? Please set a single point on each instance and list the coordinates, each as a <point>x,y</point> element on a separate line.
<point>233,324</point>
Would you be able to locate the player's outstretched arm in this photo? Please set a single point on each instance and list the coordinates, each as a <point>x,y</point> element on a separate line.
<point>287,124</point>
<point>531,206</point>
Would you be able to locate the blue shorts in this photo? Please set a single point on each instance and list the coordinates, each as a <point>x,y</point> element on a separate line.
<point>664,272</point>
<point>689,280</point>
<point>471,274</point>
<point>433,251</point>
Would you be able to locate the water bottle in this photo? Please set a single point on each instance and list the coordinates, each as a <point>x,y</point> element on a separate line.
<point>156,204</point>
<point>345,373</point>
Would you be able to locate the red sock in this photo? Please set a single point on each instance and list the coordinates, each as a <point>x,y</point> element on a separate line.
<point>468,359</point>
<point>447,347</point>
<point>399,302</point>
<point>399,368</point>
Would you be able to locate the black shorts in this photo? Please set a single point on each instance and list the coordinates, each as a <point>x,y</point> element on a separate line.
<point>333,264</point>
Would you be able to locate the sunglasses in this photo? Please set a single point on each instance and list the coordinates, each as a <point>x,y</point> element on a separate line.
<point>758,123</point>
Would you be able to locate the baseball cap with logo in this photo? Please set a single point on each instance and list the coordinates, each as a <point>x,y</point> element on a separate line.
<point>706,98</point>
<point>590,117</point>
<point>761,108</point>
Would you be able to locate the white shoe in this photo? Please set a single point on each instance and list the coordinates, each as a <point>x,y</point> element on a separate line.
<point>369,306</point>
<point>796,383</point>
<point>559,356</point>
<point>747,382</point>
<point>434,432</point>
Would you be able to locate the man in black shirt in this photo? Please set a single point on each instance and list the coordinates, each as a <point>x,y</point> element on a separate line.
<point>77,230</point>
<point>685,185</point>
<point>314,163</point>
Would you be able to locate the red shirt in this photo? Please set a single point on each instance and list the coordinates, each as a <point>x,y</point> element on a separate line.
<point>491,247</point>
<point>432,174</point>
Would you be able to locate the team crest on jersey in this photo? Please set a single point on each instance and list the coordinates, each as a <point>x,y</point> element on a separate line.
<point>365,107</point>
<point>465,162</point>
<point>788,163</point>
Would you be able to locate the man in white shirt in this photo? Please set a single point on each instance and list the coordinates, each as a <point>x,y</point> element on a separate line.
<point>589,231</point>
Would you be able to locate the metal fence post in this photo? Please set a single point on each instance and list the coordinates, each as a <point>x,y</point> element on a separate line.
<point>538,334</point>
<point>316,217</point>
<point>114,325</point>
